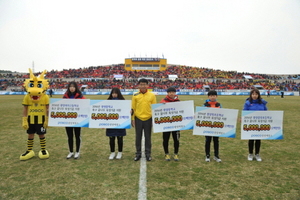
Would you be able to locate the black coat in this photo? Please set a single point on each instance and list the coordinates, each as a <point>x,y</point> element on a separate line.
<point>115,132</point>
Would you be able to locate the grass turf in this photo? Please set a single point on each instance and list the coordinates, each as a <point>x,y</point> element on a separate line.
<point>93,176</point>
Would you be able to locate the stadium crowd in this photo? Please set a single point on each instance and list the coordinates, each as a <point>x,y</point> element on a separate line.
<point>102,77</point>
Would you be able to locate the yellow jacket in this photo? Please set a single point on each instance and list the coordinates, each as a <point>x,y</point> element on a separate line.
<point>141,105</point>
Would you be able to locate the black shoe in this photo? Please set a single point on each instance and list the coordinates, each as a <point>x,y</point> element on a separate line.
<point>137,158</point>
<point>148,158</point>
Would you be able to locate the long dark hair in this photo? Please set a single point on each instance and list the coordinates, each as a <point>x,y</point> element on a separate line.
<point>258,98</point>
<point>117,91</point>
<point>77,90</point>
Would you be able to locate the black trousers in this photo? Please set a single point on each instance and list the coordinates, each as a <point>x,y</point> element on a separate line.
<point>216,145</point>
<point>166,137</point>
<point>140,127</point>
<point>112,143</point>
<point>251,146</point>
<point>71,131</point>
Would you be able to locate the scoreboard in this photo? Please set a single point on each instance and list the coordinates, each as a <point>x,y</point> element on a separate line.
<point>142,63</point>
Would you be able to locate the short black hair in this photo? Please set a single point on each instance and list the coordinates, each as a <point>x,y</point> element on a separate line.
<point>171,89</point>
<point>212,92</point>
<point>143,80</point>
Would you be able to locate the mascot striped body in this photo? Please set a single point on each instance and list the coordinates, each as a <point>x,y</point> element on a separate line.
<point>35,114</point>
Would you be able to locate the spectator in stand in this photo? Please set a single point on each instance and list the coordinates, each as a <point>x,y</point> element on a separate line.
<point>50,92</point>
<point>187,78</point>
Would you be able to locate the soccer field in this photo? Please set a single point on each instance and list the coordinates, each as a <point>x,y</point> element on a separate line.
<point>93,176</point>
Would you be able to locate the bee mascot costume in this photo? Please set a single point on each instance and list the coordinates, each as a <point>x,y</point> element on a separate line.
<point>35,113</point>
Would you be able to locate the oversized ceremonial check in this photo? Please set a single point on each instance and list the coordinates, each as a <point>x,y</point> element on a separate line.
<point>172,116</point>
<point>218,122</point>
<point>69,112</point>
<point>110,114</point>
<point>262,125</point>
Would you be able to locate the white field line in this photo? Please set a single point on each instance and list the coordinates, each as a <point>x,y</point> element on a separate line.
<point>143,174</point>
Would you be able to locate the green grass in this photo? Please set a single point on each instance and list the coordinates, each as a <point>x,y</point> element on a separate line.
<point>93,176</point>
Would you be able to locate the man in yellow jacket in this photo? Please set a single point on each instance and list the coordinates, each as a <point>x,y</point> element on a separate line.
<point>142,118</point>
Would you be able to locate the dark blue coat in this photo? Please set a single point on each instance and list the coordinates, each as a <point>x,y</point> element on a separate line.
<point>115,132</point>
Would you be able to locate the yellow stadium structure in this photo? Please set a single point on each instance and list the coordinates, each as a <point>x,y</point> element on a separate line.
<point>142,63</point>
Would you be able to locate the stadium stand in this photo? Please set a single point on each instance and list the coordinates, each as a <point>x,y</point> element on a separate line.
<point>102,77</point>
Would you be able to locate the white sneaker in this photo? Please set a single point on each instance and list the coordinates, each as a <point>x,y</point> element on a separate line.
<point>119,155</point>
<point>77,155</point>
<point>70,155</point>
<point>250,157</point>
<point>258,158</point>
<point>217,159</point>
<point>112,156</point>
<point>207,159</point>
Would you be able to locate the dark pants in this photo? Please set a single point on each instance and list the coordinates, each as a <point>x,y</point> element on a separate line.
<point>112,143</point>
<point>207,145</point>
<point>141,126</point>
<point>251,146</point>
<point>77,131</point>
<point>166,137</point>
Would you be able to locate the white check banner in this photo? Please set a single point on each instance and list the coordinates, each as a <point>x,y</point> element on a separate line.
<point>218,122</point>
<point>69,112</point>
<point>262,125</point>
<point>173,116</point>
<point>110,114</point>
